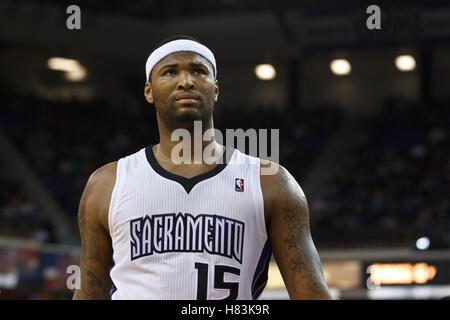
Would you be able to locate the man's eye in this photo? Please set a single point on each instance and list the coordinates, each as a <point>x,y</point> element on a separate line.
<point>200,71</point>
<point>169,71</point>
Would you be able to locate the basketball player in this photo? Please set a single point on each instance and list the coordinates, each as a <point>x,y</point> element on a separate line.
<point>154,228</point>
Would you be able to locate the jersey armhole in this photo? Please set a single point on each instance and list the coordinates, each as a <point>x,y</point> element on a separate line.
<point>113,198</point>
<point>259,198</point>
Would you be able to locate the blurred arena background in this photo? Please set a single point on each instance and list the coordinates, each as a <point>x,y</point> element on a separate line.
<point>367,137</point>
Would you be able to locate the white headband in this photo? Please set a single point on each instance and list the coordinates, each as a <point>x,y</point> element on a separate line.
<point>177,46</point>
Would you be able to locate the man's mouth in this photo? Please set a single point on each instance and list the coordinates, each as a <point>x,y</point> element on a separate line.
<point>186,98</point>
<point>187,101</point>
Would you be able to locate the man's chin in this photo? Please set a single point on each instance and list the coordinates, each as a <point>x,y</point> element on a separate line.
<point>188,116</point>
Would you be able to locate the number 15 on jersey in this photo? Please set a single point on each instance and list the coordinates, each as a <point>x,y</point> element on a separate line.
<point>219,283</point>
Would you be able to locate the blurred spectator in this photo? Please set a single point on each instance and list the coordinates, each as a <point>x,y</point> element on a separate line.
<point>19,217</point>
<point>395,187</point>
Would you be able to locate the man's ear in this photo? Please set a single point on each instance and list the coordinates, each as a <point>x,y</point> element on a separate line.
<point>148,92</point>
<point>216,94</point>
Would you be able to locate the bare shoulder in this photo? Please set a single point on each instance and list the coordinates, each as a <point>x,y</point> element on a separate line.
<point>272,172</point>
<point>279,186</point>
<point>102,180</point>
<point>104,175</point>
<point>97,193</point>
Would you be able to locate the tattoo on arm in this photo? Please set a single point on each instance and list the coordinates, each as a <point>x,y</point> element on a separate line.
<point>301,255</point>
<point>94,288</point>
<point>93,282</point>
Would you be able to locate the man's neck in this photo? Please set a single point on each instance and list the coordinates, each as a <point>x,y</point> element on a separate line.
<point>188,145</point>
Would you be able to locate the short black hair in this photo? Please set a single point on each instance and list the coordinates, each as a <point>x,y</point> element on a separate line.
<point>176,37</point>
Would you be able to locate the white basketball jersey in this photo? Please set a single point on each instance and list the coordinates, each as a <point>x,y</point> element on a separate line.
<point>185,239</point>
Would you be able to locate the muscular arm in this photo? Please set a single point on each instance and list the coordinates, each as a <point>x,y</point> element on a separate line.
<point>289,232</point>
<point>96,249</point>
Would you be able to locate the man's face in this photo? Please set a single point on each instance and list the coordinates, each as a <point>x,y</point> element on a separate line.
<point>182,87</point>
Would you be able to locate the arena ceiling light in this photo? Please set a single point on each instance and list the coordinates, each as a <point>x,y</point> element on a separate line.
<point>74,71</point>
<point>76,75</point>
<point>423,243</point>
<point>340,67</point>
<point>265,71</point>
<point>405,62</point>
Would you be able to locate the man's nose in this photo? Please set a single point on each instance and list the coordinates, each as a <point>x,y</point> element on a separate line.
<point>185,81</point>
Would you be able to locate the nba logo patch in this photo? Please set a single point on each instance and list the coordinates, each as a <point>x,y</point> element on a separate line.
<point>239,185</point>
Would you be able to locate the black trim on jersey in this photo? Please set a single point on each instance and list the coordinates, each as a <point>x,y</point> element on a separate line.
<point>187,183</point>
<point>113,290</point>
<point>262,269</point>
